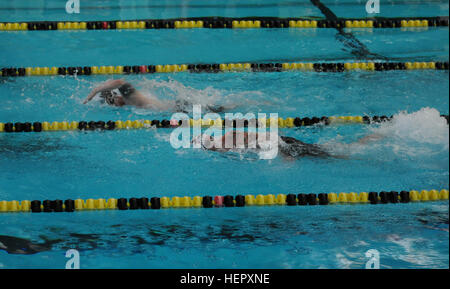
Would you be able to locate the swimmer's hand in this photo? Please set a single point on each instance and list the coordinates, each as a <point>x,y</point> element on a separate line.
<point>108,85</point>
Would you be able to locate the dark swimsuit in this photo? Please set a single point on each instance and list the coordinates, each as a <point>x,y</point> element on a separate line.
<point>185,106</point>
<point>294,148</point>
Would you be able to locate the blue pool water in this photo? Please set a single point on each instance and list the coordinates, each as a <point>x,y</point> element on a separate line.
<point>47,10</point>
<point>414,153</point>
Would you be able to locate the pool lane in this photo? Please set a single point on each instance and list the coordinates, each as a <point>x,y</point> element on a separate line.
<point>290,94</point>
<point>40,10</point>
<point>408,236</point>
<point>89,48</point>
<point>142,9</point>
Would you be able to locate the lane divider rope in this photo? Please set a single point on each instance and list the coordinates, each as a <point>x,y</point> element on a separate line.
<point>289,122</point>
<point>223,67</point>
<point>221,22</point>
<point>144,203</point>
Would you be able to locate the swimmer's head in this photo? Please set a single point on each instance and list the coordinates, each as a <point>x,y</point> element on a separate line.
<point>204,141</point>
<point>112,98</point>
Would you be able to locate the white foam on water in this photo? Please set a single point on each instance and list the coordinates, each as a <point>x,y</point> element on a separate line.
<point>423,132</point>
<point>343,261</point>
<point>425,126</point>
<point>419,133</point>
<point>411,254</point>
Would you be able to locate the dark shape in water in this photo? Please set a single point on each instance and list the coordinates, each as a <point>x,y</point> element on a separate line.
<point>14,245</point>
<point>349,40</point>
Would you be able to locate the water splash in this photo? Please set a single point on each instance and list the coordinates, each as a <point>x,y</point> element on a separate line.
<point>175,90</point>
<point>419,134</point>
<point>425,126</point>
<point>422,134</point>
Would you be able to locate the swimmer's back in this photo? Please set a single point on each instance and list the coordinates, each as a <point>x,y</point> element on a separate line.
<point>295,148</point>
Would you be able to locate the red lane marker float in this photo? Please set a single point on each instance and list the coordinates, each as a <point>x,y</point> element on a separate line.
<point>218,200</point>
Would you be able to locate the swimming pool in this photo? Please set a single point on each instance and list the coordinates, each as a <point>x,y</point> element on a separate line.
<point>135,163</point>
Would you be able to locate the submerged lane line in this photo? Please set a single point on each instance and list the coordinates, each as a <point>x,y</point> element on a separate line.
<point>347,38</point>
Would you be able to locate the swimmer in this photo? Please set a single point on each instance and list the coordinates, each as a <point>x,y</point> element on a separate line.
<point>289,147</point>
<point>14,245</point>
<point>118,92</point>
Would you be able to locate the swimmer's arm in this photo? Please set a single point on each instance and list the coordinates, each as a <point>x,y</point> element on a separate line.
<point>370,138</point>
<point>108,85</point>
